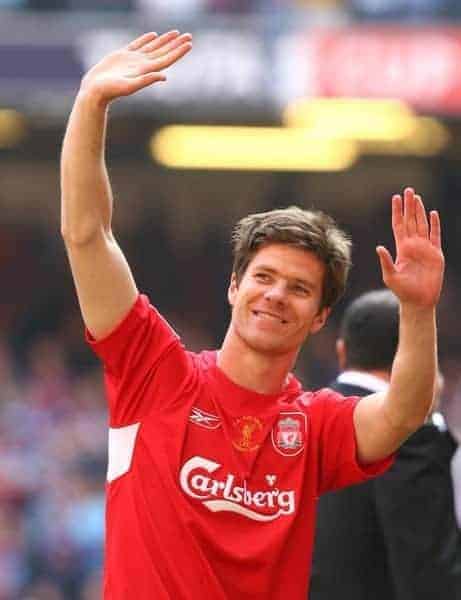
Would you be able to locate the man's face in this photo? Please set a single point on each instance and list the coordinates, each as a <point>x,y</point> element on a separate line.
<point>277,303</point>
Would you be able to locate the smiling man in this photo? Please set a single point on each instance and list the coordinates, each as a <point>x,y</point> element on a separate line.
<point>216,459</point>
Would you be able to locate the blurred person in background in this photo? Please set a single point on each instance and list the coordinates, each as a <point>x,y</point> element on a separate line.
<point>454,422</point>
<point>396,537</point>
<point>409,10</point>
<point>456,475</point>
<point>42,589</point>
<point>238,6</point>
<point>13,564</point>
<point>79,5</point>
<point>92,588</point>
<point>172,8</point>
<point>52,463</point>
<point>213,470</point>
<point>66,517</point>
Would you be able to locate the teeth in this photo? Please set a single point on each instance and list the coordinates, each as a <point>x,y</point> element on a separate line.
<point>257,313</point>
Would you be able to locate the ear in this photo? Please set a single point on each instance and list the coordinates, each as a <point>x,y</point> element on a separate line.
<point>320,319</point>
<point>232,290</point>
<point>341,353</point>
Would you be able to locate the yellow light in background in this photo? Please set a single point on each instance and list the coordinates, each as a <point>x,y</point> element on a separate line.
<point>430,138</point>
<point>326,134</point>
<point>12,128</point>
<point>249,148</point>
<point>379,126</point>
<point>352,118</point>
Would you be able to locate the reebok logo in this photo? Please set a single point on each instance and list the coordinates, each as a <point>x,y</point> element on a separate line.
<point>204,419</point>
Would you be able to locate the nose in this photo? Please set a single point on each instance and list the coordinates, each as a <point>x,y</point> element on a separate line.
<point>276,294</point>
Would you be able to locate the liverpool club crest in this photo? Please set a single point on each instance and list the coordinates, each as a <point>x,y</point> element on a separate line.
<point>289,433</point>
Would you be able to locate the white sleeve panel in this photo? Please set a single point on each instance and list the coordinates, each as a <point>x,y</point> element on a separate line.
<point>121,448</point>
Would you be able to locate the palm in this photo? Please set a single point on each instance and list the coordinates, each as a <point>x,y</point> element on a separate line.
<point>136,66</point>
<point>417,273</point>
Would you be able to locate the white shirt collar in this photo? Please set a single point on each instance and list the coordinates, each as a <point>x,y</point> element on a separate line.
<point>363,380</point>
<point>376,384</point>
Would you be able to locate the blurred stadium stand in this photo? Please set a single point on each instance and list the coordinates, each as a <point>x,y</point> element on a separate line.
<point>250,60</point>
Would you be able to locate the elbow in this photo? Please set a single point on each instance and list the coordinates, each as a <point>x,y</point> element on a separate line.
<point>413,422</point>
<point>407,422</point>
<point>82,234</point>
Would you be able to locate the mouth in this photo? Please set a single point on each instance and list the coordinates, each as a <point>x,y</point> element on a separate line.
<point>270,316</point>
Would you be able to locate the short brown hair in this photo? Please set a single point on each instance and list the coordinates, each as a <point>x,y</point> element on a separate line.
<point>310,230</point>
<point>370,330</point>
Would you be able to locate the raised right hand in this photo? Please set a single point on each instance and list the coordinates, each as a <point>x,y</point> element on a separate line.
<point>136,66</point>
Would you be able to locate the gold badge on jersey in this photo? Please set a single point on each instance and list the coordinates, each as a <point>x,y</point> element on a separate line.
<point>247,432</point>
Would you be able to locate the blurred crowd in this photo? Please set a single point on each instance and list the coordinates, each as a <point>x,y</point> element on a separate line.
<point>52,467</point>
<point>368,9</point>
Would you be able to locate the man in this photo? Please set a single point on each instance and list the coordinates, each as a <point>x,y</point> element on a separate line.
<point>216,459</point>
<point>394,538</point>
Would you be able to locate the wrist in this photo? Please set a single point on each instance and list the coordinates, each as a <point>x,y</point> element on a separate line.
<point>92,98</point>
<point>410,309</point>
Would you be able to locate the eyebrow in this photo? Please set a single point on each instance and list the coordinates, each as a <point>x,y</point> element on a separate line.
<point>271,270</point>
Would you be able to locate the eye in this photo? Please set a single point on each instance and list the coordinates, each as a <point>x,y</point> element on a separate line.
<point>301,290</point>
<point>262,277</point>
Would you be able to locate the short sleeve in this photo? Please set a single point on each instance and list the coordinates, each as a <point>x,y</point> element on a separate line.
<point>339,466</point>
<point>137,355</point>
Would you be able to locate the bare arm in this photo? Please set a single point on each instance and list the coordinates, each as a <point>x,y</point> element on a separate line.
<point>383,421</point>
<point>105,286</point>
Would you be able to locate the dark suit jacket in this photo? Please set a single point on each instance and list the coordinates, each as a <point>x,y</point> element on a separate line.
<point>394,537</point>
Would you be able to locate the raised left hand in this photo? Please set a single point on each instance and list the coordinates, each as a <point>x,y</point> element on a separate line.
<point>416,275</point>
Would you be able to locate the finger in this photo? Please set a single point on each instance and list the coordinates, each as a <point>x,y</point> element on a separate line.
<point>409,217</point>
<point>422,226</point>
<point>161,40</point>
<point>142,40</point>
<point>435,235</point>
<point>397,218</point>
<point>184,38</point>
<point>386,262</point>
<point>165,61</point>
<point>144,81</point>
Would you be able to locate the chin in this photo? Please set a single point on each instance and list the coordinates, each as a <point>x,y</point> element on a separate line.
<point>265,341</point>
<point>266,344</point>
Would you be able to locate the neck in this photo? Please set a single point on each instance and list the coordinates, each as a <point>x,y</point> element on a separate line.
<point>264,373</point>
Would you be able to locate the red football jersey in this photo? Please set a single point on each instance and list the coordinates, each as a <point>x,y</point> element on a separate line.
<point>212,488</point>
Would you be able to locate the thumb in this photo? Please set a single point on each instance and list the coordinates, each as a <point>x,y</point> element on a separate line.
<point>386,262</point>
